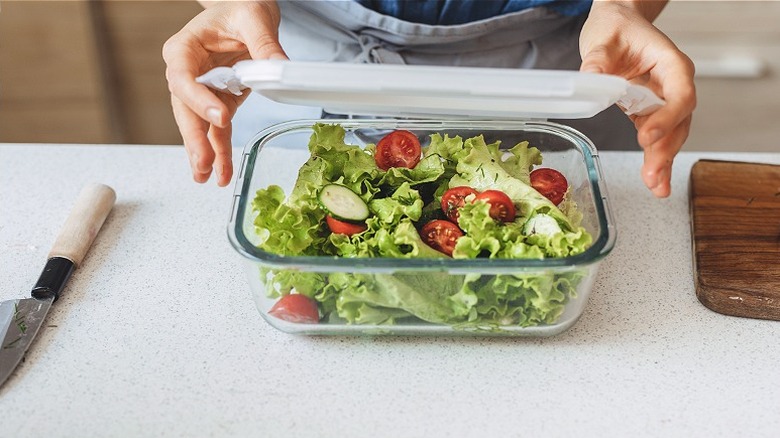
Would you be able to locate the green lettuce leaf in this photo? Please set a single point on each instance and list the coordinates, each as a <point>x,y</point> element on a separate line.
<point>482,170</point>
<point>487,237</point>
<point>404,202</point>
<point>428,297</point>
<point>524,300</point>
<point>399,201</point>
<point>334,161</point>
<point>284,229</point>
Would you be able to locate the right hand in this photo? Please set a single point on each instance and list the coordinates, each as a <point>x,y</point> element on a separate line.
<point>221,35</point>
<point>618,38</point>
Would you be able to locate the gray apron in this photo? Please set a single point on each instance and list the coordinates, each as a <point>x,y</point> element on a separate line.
<point>345,31</point>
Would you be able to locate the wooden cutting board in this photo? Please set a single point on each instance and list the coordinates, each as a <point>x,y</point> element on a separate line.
<point>735,226</point>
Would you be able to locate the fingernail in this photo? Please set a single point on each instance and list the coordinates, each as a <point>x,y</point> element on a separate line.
<point>592,69</point>
<point>277,56</point>
<point>654,135</point>
<point>214,116</point>
<point>658,193</point>
<point>196,162</point>
<point>200,167</point>
<point>652,179</point>
<point>198,177</point>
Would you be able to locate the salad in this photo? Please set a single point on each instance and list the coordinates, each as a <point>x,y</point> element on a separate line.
<point>459,198</point>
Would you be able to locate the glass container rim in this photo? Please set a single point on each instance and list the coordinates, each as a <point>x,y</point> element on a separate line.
<point>601,247</point>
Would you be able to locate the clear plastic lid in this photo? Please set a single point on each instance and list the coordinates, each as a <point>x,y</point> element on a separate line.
<point>434,91</point>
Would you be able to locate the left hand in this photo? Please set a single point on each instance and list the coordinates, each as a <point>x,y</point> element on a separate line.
<point>618,38</point>
<point>223,34</point>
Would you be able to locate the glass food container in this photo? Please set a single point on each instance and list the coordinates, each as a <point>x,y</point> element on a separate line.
<point>277,153</point>
<point>551,292</point>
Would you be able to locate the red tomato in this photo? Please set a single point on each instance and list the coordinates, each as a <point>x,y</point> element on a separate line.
<point>296,308</point>
<point>453,199</point>
<point>341,227</point>
<point>398,149</point>
<point>501,206</point>
<point>441,235</point>
<point>550,183</point>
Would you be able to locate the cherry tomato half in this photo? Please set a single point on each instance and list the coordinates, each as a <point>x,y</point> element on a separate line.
<point>453,199</point>
<point>501,206</point>
<point>296,308</point>
<point>441,235</point>
<point>398,149</point>
<point>550,183</point>
<point>341,227</point>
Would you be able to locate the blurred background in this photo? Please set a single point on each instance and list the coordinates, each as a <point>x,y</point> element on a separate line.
<point>85,71</point>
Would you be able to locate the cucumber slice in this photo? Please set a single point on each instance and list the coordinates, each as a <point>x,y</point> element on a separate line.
<point>343,204</point>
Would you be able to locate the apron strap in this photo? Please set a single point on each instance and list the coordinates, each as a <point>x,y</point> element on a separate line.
<point>375,51</point>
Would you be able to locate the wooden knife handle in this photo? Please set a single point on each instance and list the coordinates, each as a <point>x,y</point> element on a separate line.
<point>87,216</point>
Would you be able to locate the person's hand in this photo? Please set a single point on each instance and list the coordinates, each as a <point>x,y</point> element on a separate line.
<point>221,35</point>
<point>618,38</point>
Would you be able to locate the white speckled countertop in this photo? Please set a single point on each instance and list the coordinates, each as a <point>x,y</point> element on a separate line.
<point>156,334</point>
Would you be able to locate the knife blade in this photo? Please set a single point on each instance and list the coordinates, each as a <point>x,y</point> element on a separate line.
<point>21,319</point>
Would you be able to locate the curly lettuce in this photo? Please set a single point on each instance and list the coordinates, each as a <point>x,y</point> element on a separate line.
<point>399,201</point>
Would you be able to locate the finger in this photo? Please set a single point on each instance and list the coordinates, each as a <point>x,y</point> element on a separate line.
<point>194,132</point>
<point>184,64</point>
<point>221,141</point>
<point>598,60</point>
<point>261,36</point>
<point>664,189</point>
<point>660,124</point>
<point>639,121</point>
<point>680,94</point>
<point>223,159</point>
<point>658,159</point>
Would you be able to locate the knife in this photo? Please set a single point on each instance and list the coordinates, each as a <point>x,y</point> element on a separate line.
<point>20,319</point>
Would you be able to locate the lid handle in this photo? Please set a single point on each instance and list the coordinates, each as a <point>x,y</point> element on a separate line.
<point>640,100</point>
<point>221,79</point>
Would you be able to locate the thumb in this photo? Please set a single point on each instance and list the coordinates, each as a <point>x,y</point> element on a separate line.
<point>597,60</point>
<point>263,45</point>
<point>259,31</point>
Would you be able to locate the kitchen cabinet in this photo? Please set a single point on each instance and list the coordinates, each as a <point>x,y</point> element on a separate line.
<point>50,85</point>
<point>87,71</point>
<point>736,49</point>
